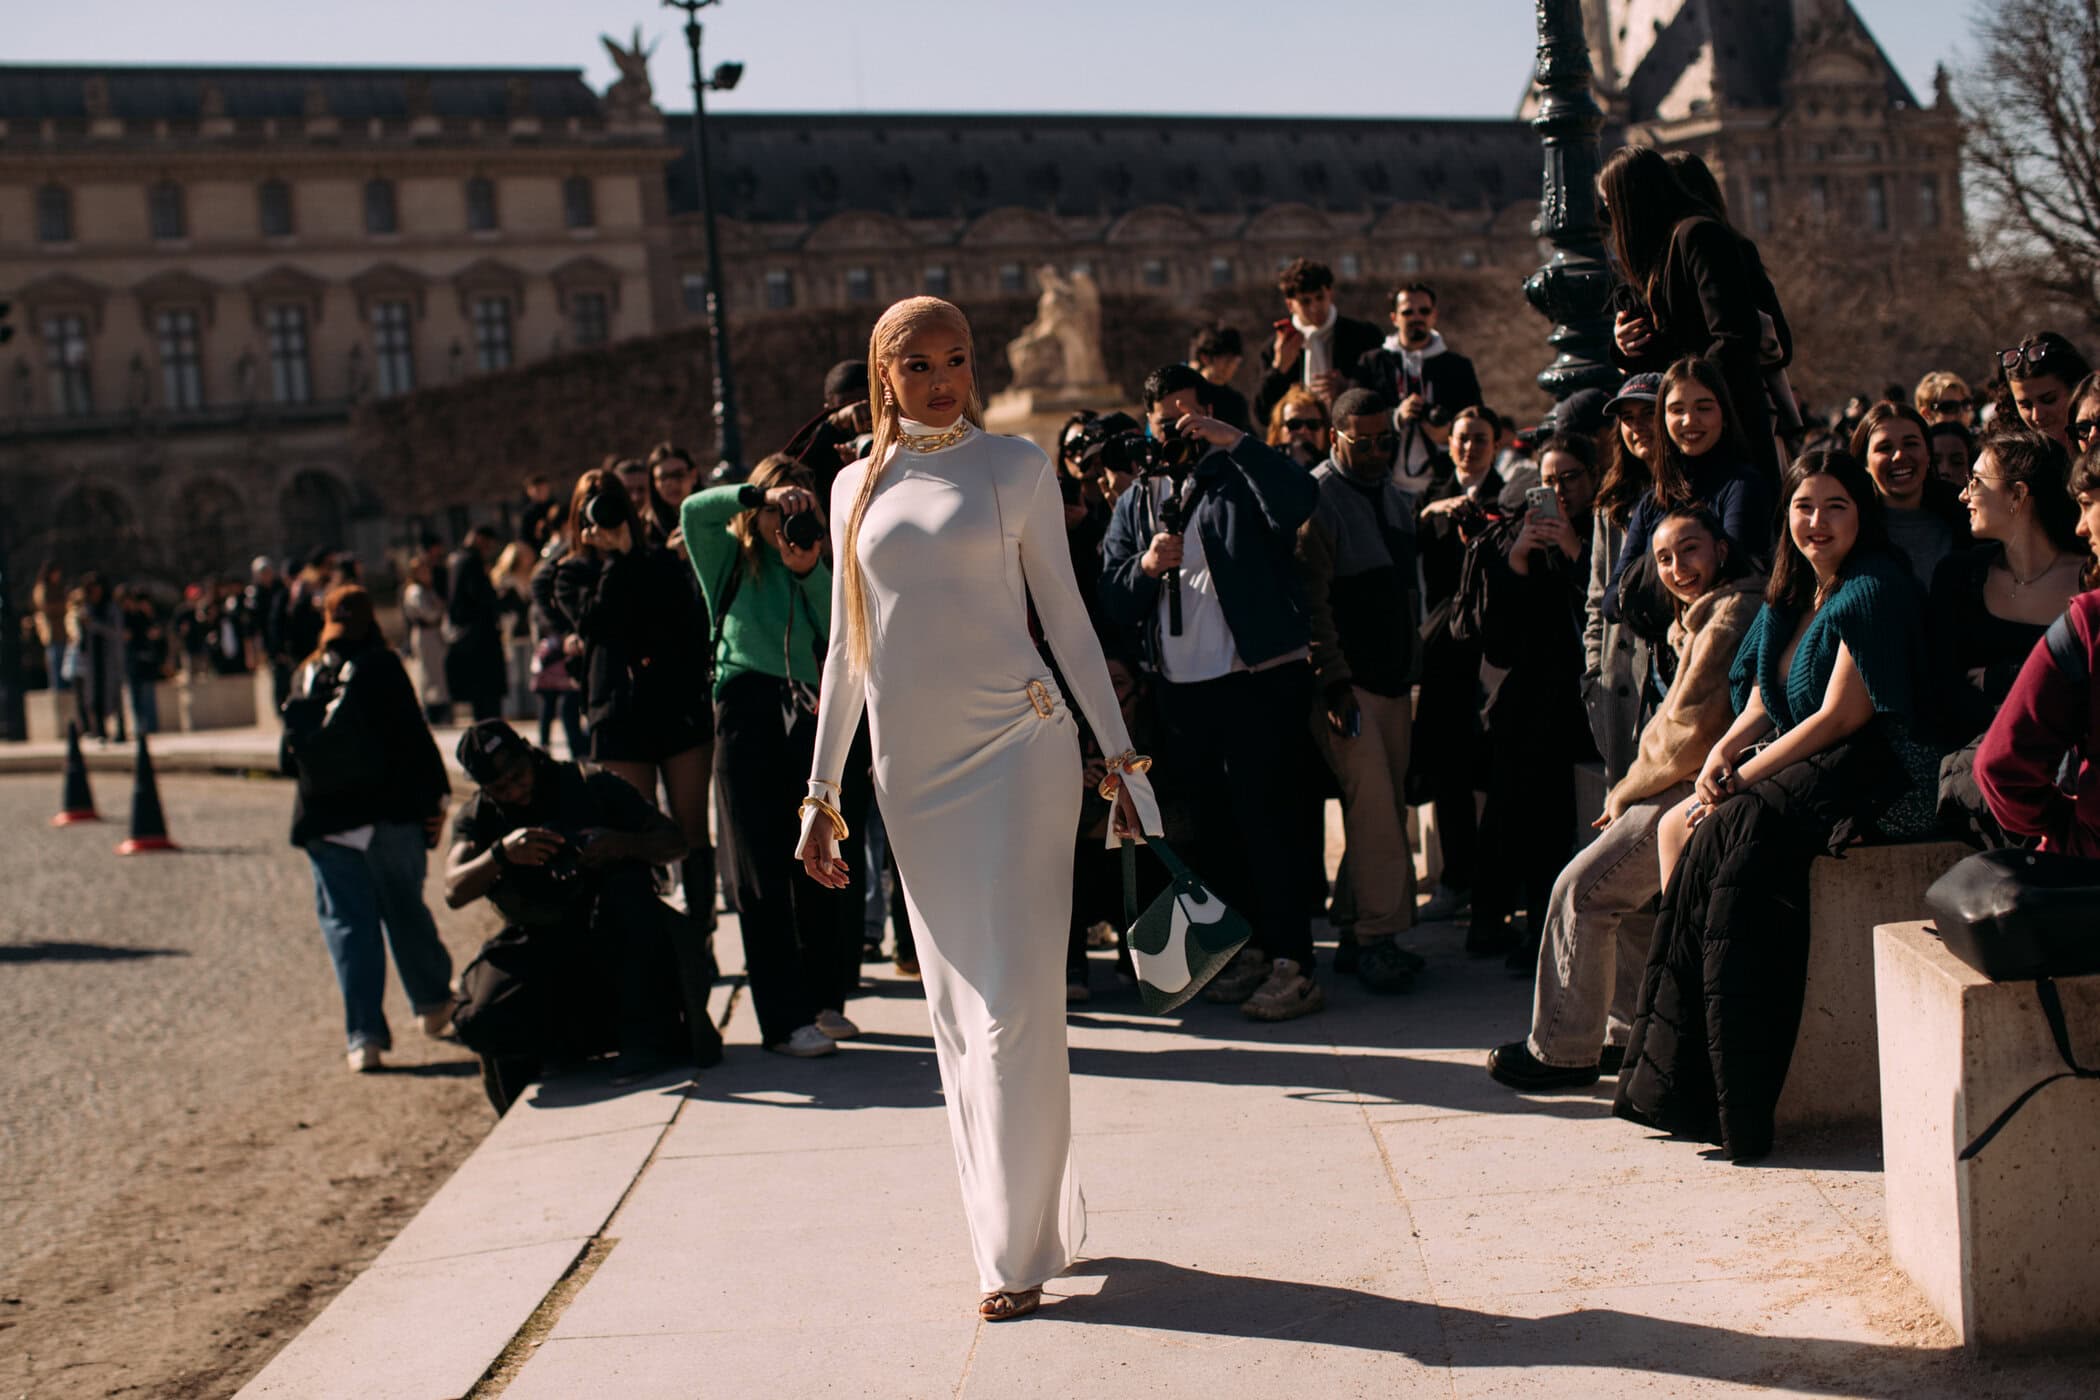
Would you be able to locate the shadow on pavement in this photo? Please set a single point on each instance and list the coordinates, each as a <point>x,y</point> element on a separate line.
<point>46,950</point>
<point>436,1069</point>
<point>1145,1293</point>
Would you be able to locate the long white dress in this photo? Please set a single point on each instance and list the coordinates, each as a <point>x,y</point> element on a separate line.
<point>977,768</point>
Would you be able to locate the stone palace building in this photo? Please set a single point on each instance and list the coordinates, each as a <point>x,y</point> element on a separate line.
<point>210,269</point>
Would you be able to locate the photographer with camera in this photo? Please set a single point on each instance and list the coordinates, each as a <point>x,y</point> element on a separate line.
<point>1200,556</point>
<point>1356,557</point>
<point>635,625</point>
<point>1421,373</point>
<point>758,550</point>
<point>369,805</point>
<point>1315,345</point>
<point>589,959</point>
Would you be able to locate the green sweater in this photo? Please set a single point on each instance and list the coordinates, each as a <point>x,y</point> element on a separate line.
<point>755,635</point>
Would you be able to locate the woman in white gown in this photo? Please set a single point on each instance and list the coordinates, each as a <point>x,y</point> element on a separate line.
<point>940,538</point>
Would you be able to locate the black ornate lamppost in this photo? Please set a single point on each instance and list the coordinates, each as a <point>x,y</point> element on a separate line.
<point>1573,289</point>
<point>729,440</point>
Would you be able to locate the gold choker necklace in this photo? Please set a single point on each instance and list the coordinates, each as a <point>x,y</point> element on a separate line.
<point>934,442</point>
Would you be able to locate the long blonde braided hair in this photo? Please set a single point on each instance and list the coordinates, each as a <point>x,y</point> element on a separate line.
<point>893,330</point>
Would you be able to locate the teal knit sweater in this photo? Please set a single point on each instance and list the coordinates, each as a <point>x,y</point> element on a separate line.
<point>757,635</point>
<point>1877,614</point>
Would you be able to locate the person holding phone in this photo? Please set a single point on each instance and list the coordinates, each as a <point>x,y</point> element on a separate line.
<point>1537,586</point>
<point>1314,346</point>
<point>1356,560</point>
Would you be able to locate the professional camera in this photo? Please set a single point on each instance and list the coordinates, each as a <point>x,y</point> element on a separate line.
<point>802,530</point>
<point>1117,442</point>
<point>551,892</point>
<point>608,510</point>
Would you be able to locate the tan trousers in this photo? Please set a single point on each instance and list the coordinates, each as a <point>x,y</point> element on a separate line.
<point>1372,771</point>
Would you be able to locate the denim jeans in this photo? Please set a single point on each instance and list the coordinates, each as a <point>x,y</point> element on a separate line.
<point>1595,944</point>
<point>145,701</point>
<point>356,894</point>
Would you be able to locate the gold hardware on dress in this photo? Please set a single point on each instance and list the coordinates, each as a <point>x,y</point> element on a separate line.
<point>1040,696</point>
<point>1128,761</point>
<point>934,442</point>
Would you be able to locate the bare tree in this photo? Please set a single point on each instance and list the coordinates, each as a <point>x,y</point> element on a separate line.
<point>2031,109</point>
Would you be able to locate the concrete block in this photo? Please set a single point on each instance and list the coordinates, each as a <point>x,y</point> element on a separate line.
<point>2001,1245</point>
<point>1832,1080</point>
<point>206,701</point>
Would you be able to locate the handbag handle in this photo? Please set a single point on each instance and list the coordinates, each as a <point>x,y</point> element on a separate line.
<point>2053,1009</point>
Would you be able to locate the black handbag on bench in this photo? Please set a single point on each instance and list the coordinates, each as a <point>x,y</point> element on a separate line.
<point>2018,916</point>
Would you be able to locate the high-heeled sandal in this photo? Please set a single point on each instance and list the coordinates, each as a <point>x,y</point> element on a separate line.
<point>1009,1303</point>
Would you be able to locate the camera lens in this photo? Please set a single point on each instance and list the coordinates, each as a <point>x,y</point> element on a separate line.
<point>802,530</point>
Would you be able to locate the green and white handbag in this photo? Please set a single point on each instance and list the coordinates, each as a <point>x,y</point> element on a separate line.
<point>1184,938</point>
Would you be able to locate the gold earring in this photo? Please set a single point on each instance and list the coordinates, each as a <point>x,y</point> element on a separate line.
<point>889,399</point>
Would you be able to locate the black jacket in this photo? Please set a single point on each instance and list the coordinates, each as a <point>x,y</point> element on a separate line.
<point>1353,339</point>
<point>635,611</point>
<point>377,700</point>
<point>1447,381</point>
<point>474,665</point>
<point>1707,304</point>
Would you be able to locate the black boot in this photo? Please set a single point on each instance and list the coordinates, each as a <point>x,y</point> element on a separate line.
<point>696,978</point>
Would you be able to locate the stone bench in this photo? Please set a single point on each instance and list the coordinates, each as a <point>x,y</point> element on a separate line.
<point>2002,1245</point>
<point>1832,1080</point>
<point>207,701</point>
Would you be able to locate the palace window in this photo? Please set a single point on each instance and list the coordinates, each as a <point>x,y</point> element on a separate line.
<point>273,208</point>
<point>66,354</point>
<point>1221,272</point>
<point>1819,197</point>
<point>780,289</point>
<point>1153,272</point>
<point>1929,201</point>
<point>1352,267</point>
<point>181,359</point>
<point>1013,281</point>
<point>860,284</point>
<point>692,288</point>
<point>579,208</point>
<point>394,346</point>
<point>481,204</point>
<point>492,341</point>
<point>291,363</point>
<point>1877,204</point>
<point>165,216</point>
<point>1760,204</point>
<point>381,216</point>
<point>589,318</point>
<point>937,281</point>
<point>54,214</point>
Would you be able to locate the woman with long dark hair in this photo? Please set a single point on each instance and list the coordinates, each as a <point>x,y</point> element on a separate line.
<point>1695,291</point>
<point>1700,459</point>
<point>1925,516</point>
<point>2039,379</point>
<point>1612,676</point>
<point>370,804</point>
<point>638,630</point>
<point>1824,748</point>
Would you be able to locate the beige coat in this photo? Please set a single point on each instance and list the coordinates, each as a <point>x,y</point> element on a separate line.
<point>1697,711</point>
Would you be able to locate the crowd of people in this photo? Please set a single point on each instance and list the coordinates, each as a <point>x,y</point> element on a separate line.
<point>1777,634</point>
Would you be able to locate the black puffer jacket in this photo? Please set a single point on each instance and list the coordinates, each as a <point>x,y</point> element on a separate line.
<point>1721,998</point>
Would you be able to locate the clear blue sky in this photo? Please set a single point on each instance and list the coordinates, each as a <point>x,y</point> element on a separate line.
<point>1305,57</point>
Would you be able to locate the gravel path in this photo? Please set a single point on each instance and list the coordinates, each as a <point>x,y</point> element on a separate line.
<point>190,1171</point>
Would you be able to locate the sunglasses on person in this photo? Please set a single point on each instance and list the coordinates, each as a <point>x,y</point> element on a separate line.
<point>2028,354</point>
<point>1304,425</point>
<point>1384,442</point>
<point>1949,405</point>
<point>2083,429</point>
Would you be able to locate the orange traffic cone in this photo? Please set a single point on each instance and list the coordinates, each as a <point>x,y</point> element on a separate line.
<point>78,804</point>
<point>149,828</point>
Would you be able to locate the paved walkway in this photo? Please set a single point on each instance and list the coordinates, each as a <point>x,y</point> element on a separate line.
<point>206,750</point>
<point>1341,1206</point>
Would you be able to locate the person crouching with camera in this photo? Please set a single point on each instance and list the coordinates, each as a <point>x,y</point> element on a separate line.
<point>586,962</point>
<point>1199,555</point>
<point>758,551</point>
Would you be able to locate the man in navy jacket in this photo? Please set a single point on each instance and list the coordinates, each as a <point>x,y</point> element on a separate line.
<point>1235,686</point>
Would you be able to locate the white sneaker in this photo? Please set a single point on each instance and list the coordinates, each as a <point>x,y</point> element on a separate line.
<point>364,1059</point>
<point>808,1043</point>
<point>835,1025</point>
